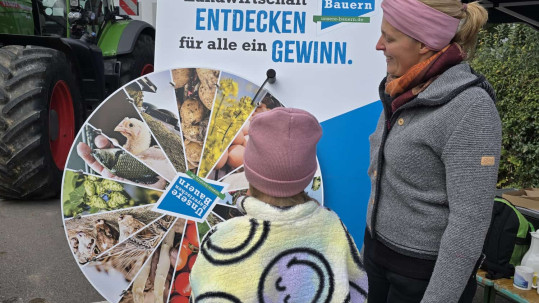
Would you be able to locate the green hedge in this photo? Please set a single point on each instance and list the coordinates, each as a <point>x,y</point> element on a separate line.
<point>508,55</point>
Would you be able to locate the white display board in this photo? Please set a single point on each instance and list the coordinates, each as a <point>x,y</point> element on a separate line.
<point>324,55</point>
<point>328,68</point>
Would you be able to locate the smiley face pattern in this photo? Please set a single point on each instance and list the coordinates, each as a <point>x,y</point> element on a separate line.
<point>298,254</point>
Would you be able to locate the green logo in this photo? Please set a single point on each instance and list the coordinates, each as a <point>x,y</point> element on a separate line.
<point>206,185</point>
<point>341,19</point>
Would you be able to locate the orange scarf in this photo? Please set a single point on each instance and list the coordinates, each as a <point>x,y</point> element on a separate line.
<point>421,75</point>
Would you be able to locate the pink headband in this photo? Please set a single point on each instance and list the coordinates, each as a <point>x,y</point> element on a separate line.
<point>421,22</point>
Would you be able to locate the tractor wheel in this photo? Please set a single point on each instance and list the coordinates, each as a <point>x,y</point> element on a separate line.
<point>139,62</point>
<point>39,113</point>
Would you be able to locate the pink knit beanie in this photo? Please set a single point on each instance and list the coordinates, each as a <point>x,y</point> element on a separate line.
<point>280,156</point>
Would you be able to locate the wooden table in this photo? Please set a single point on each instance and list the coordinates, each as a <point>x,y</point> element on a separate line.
<point>506,289</point>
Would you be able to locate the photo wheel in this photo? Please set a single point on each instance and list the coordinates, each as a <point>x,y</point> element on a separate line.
<point>125,158</point>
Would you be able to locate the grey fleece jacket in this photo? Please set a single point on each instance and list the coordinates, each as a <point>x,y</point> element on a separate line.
<point>433,185</point>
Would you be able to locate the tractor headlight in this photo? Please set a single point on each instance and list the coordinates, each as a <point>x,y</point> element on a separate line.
<point>74,15</point>
<point>74,3</point>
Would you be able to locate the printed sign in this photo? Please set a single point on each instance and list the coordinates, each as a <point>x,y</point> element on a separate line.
<point>334,12</point>
<point>325,58</point>
<point>190,197</point>
<point>322,51</point>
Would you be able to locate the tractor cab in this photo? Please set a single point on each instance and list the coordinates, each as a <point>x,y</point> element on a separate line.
<point>73,18</point>
<point>89,16</point>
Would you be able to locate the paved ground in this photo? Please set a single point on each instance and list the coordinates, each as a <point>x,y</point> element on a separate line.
<point>35,260</point>
<point>36,265</point>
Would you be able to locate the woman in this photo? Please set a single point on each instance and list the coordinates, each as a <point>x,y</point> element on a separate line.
<point>434,156</point>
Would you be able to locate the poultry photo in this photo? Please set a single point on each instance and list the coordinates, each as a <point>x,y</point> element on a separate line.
<point>138,143</point>
<point>121,124</point>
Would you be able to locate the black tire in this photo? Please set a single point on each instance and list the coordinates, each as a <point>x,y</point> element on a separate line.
<point>134,63</point>
<point>28,75</point>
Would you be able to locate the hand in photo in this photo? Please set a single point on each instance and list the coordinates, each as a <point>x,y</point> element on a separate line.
<point>102,143</point>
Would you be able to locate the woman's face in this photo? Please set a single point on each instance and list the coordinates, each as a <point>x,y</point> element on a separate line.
<point>401,51</point>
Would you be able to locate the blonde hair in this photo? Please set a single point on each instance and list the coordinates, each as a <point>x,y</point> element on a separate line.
<point>472,18</point>
<point>300,198</point>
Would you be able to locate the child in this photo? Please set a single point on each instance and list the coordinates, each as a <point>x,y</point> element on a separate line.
<point>287,248</point>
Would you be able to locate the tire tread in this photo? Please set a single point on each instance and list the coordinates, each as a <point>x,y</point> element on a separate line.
<point>21,99</point>
<point>27,170</point>
<point>16,128</point>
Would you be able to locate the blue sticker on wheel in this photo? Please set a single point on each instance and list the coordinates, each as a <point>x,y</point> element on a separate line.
<point>190,197</point>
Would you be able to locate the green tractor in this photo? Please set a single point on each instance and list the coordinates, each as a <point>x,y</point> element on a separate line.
<point>59,59</point>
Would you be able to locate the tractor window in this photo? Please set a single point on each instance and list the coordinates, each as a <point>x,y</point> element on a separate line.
<point>95,6</point>
<point>52,13</point>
